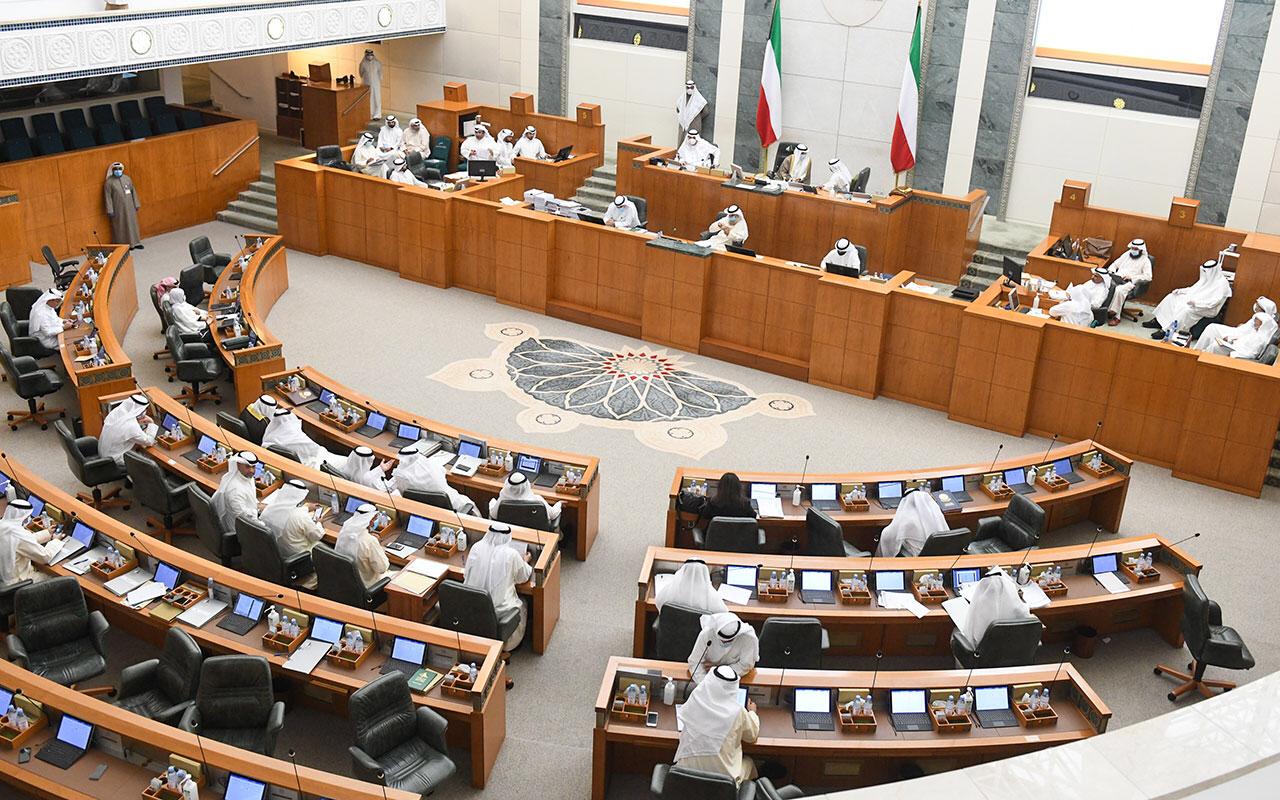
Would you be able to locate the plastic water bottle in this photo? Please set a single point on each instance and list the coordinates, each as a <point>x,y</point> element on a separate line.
<point>791,581</point>
<point>462,541</point>
<point>473,673</point>
<point>212,586</point>
<point>22,723</point>
<point>669,692</point>
<point>796,496</point>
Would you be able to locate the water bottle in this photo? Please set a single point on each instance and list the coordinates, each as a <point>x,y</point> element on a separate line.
<point>23,722</point>
<point>171,777</point>
<point>462,541</point>
<point>796,496</point>
<point>508,463</point>
<point>212,586</point>
<point>473,673</point>
<point>669,692</point>
<point>791,581</point>
<point>1044,698</point>
<point>644,696</point>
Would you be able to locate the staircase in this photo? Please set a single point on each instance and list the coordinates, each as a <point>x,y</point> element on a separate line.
<point>600,189</point>
<point>998,240</point>
<point>255,208</point>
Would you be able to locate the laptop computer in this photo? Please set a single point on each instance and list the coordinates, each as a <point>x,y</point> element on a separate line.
<point>348,509</point>
<point>824,496</point>
<point>81,539</point>
<point>417,531</point>
<point>242,788</point>
<point>1017,480</point>
<point>470,456</point>
<point>321,404</point>
<point>889,494</point>
<point>245,616</point>
<point>407,656</point>
<point>954,486</point>
<point>962,577</point>
<point>37,505</point>
<point>563,154</point>
<point>531,466</point>
<point>813,710</point>
<point>204,446</point>
<point>741,577</point>
<point>992,707</point>
<point>1067,472</point>
<point>169,423</point>
<point>406,435</point>
<point>70,745</point>
<point>909,709</point>
<point>889,580</point>
<point>324,632</point>
<point>766,490</point>
<point>815,586</point>
<point>373,425</point>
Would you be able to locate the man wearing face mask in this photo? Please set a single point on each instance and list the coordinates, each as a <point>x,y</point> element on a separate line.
<point>122,203</point>
<point>371,74</point>
<point>1132,266</point>
<point>689,108</point>
<point>697,152</point>
<point>1189,305</point>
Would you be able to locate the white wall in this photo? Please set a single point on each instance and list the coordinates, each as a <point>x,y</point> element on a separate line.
<point>636,87</point>
<point>254,77</point>
<point>1135,161</point>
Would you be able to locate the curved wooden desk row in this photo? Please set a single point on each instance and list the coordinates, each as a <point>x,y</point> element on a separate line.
<point>1100,499</point>
<point>842,758</point>
<point>157,743</point>
<point>111,303</point>
<point>479,721</point>
<point>543,588</point>
<point>256,287</point>
<point>864,629</point>
<point>581,515</point>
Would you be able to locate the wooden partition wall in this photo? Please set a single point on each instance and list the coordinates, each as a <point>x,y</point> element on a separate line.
<point>15,269</point>
<point>182,179</point>
<point>112,303</point>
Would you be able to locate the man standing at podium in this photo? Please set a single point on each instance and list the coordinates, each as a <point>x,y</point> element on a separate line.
<point>371,74</point>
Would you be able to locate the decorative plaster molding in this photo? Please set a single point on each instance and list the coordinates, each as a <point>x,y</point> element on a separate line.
<point>38,52</point>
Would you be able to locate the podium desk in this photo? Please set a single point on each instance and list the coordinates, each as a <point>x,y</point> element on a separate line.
<point>333,113</point>
<point>113,300</point>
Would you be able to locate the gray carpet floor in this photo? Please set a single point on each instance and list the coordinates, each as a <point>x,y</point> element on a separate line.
<point>369,329</point>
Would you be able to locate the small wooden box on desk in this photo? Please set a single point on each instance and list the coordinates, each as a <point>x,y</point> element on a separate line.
<point>10,736</point>
<point>347,658</point>
<point>851,721</point>
<point>947,723</point>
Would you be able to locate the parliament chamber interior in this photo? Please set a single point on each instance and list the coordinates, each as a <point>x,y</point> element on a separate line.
<point>605,399</point>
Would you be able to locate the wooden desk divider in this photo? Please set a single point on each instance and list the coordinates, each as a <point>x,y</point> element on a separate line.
<point>114,301</point>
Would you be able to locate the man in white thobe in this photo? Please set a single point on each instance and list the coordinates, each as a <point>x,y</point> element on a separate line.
<point>917,516</point>
<point>296,529</point>
<point>1246,340</point>
<point>367,158</point>
<point>496,567</point>
<point>729,229</point>
<point>237,496</point>
<point>1189,305</point>
<point>391,135</point>
<point>995,598</point>
<point>479,145</point>
<point>622,214</point>
<point>357,543</point>
<point>43,321</point>
<point>506,149</point>
<point>530,146</point>
<point>724,640</point>
<point>844,254</point>
<point>1131,266</point>
<point>371,74</point>
<point>689,107</point>
<point>285,430</point>
<point>416,138</point>
<point>797,167</point>
<point>517,489</point>
<point>416,471</point>
<point>690,586</point>
<point>187,318</point>
<point>715,726</point>
<point>359,468</point>
<point>399,173</point>
<point>697,152</point>
<point>125,427</point>
<point>20,549</point>
<point>1080,300</point>
<point>840,179</point>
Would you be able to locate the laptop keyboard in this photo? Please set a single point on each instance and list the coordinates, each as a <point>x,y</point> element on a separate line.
<point>813,720</point>
<point>911,722</point>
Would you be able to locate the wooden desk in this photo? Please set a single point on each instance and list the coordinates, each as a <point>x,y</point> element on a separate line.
<point>839,759</point>
<point>1098,499</point>
<point>543,588</point>
<point>112,302</point>
<point>478,722</point>
<point>866,629</point>
<point>333,114</point>
<point>15,265</point>
<point>580,517</point>
<point>155,742</point>
<point>561,178</point>
<point>258,286</point>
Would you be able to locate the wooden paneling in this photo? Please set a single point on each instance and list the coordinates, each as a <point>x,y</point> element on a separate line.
<point>849,319</point>
<point>333,114</point>
<point>921,338</point>
<point>15,269</point>
<point>301,207</point>
<point>1229,425</point>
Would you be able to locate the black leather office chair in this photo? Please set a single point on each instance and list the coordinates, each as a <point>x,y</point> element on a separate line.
<point>91,469</point>
<point>676,630</point>
<point>1210,642</point>
<point>437,499</point>
<point>527,513</point>
<point>163,688</point>
<point>283,452</point>
<point>1006,643</point>
<point>136,128</point>
<point>684,783</point>
<point>825,537</point>
<point>165,123</point>
<point>20,343</point>
<point>946,543</point>
<point>191,282</point>
<point>155,105</point>
<point>80,138</point>
<point>44,123</point>
<point>417,165</point>
<point>397,744</point>
<point>109,134</point>
<point>466,609</point>
<point>102,114</point>
<point>1268,355</point>
<point>330,155</point>
<point>7,593</point>
<point>253,425</point>
<point>1017,529</point>
<point>73,119</point>
<point>224,545</point>
<point>201,251</point>
<point>642,208</point>
<point>232,424</point>
<point>731,535</point>
<point>63,271</point>
<point>765,790</point>
<point>1199,327</point>
<point>56,636</point>
<point>440,148</point>
<point>129,109</point>
<point>862,257</point>
<point>338,579</point>
<point>861,180</point>
<point>190,119</point>
<point>13,128</point>
<point>21,299</point>
<point>50,144</point>
<point>784,149</point>
<point>1102,313</point>
<point>194,363</point>
<point>235,705</point>
<point>791,643</point>
<point>16,150</point>
<point>157,491</point>
<point>260,557</point>
<point>30,382</point>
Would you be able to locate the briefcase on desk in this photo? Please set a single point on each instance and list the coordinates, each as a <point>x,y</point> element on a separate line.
<point>1096,247</point>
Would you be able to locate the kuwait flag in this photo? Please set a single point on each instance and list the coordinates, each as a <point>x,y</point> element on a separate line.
<point>769,106</point>
<point>902,153</point>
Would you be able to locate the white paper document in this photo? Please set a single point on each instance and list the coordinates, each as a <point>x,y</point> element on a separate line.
<point>903,601</point>
<point>145,593</point>
<point>425,566</point>
<point>202,612</point>
<point>661,578</point>
<point>129,581</point>
<point>734,595</point>
<point>1111,582</point>
<point>80,564</point>
<point>770,507</point>
<point>1034,596</point>
<point>307,656</point>
<point>958,609</point>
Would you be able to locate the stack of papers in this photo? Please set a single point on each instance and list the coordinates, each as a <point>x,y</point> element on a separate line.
<point>307,657</point>
<point>903,601</point>
<point>145,593</point>
<point>770,504</point>
<point>80,564</point>
<point>202,612</point>
<point>129,581</point>
<point>1111,582</point>
<point>734,595</point>
<point>419,576</point>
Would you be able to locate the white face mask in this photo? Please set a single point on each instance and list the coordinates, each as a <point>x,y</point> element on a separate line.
<point>1135,252</point>
<point>117,172</point>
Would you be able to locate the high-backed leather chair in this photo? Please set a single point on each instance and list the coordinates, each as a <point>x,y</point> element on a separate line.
<point>338,579</point>
<point>194,364</point>
<point>191,282</point>
<point>102,114</point>
<point>685,783</point>
<point>861,180</point>
<point>21,299</point>
<point>232,424</point>
<point>784,149</point>
<point>234,704</point>
<point>417,165</point>
<point>201,251</point>
<point>791,643</point>
<point>190,119</point>
<point>946,543</point>
<point>109,134</point>
<point>466,609</point>
<point>21,343</point>
<point>825,537</point>
<point>163,688</point>
<point>30,382</point>
<point>437,499</point>
<point>677,628</point>
<point>49,144</point>
<point>642,208</point>
<point>527,513</point>
<point>439,160</point>
<point>765,790</point>
<point>397,744</point>
<point>56,636</point>
<point>80,138</point>
<point>1210,642</point>
<point>261,558</point>
<point>44,123</point>
<point>330,155</point>
<point>224,545</point>
<point>63,271</point>
<point>157,491</point>
<point>73,119</point>
<point>731,535</point>
<point>91,469</point>
<point>136,128</point>
<point>12,128</point>
<point>1017,529</point>
<point>1007,643</point>
<point>7,592</point>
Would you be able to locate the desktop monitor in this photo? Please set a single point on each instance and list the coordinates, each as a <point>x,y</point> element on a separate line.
<point>409,650</point>
<point>961,577</point>
<point>813,700</point>
<point>406,431</point>
<point>815,580</point>
<point>742,577</point>
<point>1012,270</point>
<point>823,491</point>
<point>1015,476</point>
<point>420,526</point>
<point>891,581</point>
<point>242,788</point>
<point>1107,563</point>
<point>167,575</point>
<point>477,168</point>
<point>908,701</point>
<point>991,698</point>
<point>326,630</point>
<point>84,535</point>
<point>953,484</point>
<point>530,465</point>
<point>376,421</point>
<point>889,490</point>
<point>470,447</point>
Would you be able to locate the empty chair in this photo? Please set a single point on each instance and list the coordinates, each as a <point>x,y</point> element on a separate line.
<point>7,593</point>
<point>1017,529</point>
<point>13,128</point>
<point>465,609</point>
<point>157,491</point>
<point>136,128</point>
<point>437,499</point>
<point>527,513</point>
<point>330,155</point>
<point>109,134</point>
<point>417,165</point>
<point>73,119</point>
<point>201,250</point>
<point>825,537</point>
<point>30,382</point>
<point>946,543</point>
<point>233,424</point>
<point>191,282</point>
<point>397,744</point>
<point>765,790</point>
<point>20,344</point>
<point>90,468</point>
<point>642,208</point>
<point>677,629</point>
<point>224,544</point>
<point>235,705</point>
<point>46,123</point>
<point>791,643</point>
<point>685,783</point>
<point>56,636</point>
<point>102,114</point>
<point>1210,642</point>
<point>860,180</point>
<point>16,149</point>
<point>64,272</point>
<point>155,105</point>
<point>731,535</point>
<point>164,123</point>
<point>338,579</point>
<point>194,363</point>
<point>80,138</point>
<point>440,149</point>
<point>129,109</point>
<point>163,688</point>
<point>190,119</point>
<point>260,557</point>
<point>1007,643</point>
<point>21,299</point>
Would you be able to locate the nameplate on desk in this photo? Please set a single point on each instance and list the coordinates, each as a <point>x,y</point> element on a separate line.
<point>679,246</point>
<point>758,188</point>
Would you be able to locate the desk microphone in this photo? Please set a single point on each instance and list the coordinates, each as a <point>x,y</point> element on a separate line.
<point>968,679</point>
<point>1091,544</point>
<point>138,541</point>
<point>875,672</point>
<point>297,778</point>
<point>875,545</point>
<point>997,458</point>
<point>1096,430</point>
<point>1051,444</point>
<point>1183,539</point>
<point>952,568</point>
<point>96,237</point>
<point>1066,651</point>
<point>800,486</point>
<point>382,784</point>
<point>195,727</point>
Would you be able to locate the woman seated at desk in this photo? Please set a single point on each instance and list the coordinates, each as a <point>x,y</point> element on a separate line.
<point>729,500</point>
<point>715,726</point>
<point>358,543</point>
<point>918,516</point>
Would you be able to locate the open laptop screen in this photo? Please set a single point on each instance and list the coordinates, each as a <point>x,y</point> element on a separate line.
<point>242,788</point>
<point>408,431</point>
<point>248,606</point>
<point>991,698</point>
<point>74,732</point>
<point>326,630</point>
<point>953,484</point>
<point>408,650</point>
<point>813,700</point>
<point>1107,563</point>
<point>529,464</point>
<point>960,577</point>
<point>1062,466</point>
<point>83,534</point>
<point>420,526</point>
<point>167,575</point>
<point>889,490</point>
<point>823,491</point>
<point>907,701</point>
<point>469,448</point>
<point>376,421</point>
<point>815,580</point>
<point>744,577</point>
<point>891,581</point>
<point>1015,476</point>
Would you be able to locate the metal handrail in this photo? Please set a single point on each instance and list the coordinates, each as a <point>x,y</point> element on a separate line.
<point>362,96</point>
<point>243,149</point>
<point>215,74</point>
